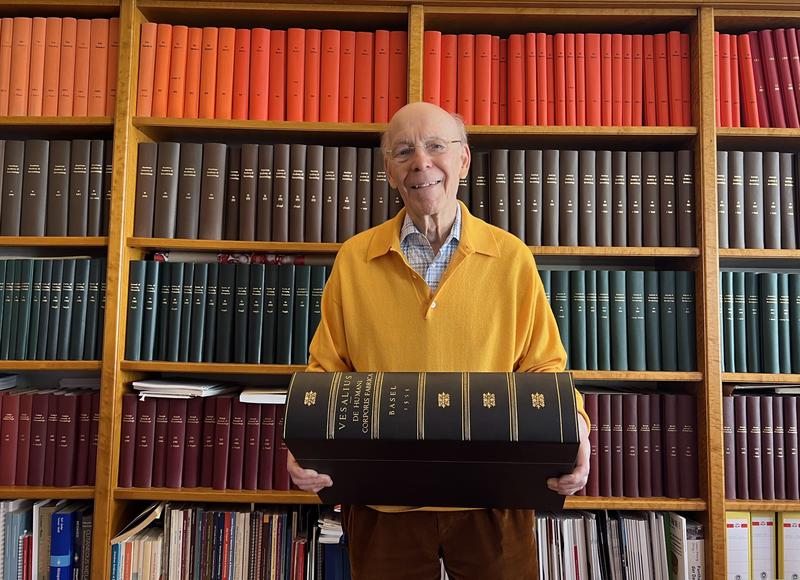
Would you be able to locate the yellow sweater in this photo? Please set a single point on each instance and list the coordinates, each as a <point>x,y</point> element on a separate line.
<point>489,313</point>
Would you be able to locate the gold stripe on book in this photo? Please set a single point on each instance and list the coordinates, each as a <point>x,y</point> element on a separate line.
<point>464,395</point>
<point>575,405</point>
<point>332,402</point>
<point>560,418</point>
<point>376,406</point>
<point>513,428</point>
<point>421,406</point>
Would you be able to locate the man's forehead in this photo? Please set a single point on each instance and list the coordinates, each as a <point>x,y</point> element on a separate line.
<point>422,127</point>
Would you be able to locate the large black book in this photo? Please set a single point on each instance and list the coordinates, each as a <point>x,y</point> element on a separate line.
<point>189,178</point>
<point>58,188</point>
<point>34,188</point>
<point>12,188</point>
<point>95,192</point>
<point>166,201</point>
<point>568,198</point>
<point>404,438</point>
<point>80,159</point>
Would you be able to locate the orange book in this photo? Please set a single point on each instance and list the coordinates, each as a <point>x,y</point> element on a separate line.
<point>580,79</point>
<point>638,89</point>
<point>362,95</point>
<point>650,117</point>
<point>113,66</point>
<point>551,82</point>
<point>66,69</point>
<point>482,99</point>
<point>593,82</point>
<point>161,73</point>
<point>312,72</point>
<point>751,118</point>
<point>432,67</point>
<point>736,119</point>
<point>381,90</point>
<point>52,54</point>
<point>686,78</point>
<point>542,79</point>
<point>717,72</point>
<point>6,42</point>
<point>177,71</point>
<point>277,75</point>
<point>398,70</point>
<point>503,112</point>
<point>569,65</point>
<point>98,66</point>
<point>531,75</point>
<point>616,80</point>
<point>226,53</point>
<point>516,79</point>
<point>20,66</point>
<point>347,74</point>
<point>627,80</point>
<point>259,74</point>
<point>194,58</point>
<point>560,77</point>
<point>661,57</point>
<point>36,79</point>
<point>147,63</point>
<point>674,80</point>
<point>241,74</point>
<point>295,73</point>
<point>606,89</point>
<point>208,72</point>
<point>495,116</point>
<point>466,78</point>
<point>329,76</point>
<point>83,48</point>
<point>448,83</point>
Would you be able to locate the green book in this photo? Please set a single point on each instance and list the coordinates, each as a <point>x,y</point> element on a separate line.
<point>637,360</point>
<point>768,303</point>
<point>187,324</point>
<point>133,330</point>
<point>150,308</point>
<point>24,316</point>
<point>603,322</point>
<point>270,314</point>
<point>686,330</point>
<point>210,332</point>
<point>619,320</point>
<point>315,300</point>
<point>302,289</point>
<point>44,306</point>
<point>198,312</point>
<point>794,320</point>
<point>175,310</point>
<point>577,319</point>
<point>226,289</point>
<point>739,326</point>
<point>652,321</point>
<point>545,276</point>
<point>36,300</point>
<point>784,340</point>
<point>591,320</point>
<point>284,314</point>
<point>162,310</point>
<point>79,305</point>
<point>255,313</point>
<point>728,339</point>
<point>101,318</point>
<point>669,321</point>
<point>55,310</point>
<point>752,323</point>
<point>241,305</point>
<point>10,313</point>
<point>5,270</point>
<point>67,298</point>
<point>560,289</point>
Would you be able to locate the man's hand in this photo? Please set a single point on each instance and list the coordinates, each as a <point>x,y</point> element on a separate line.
<point>308,479</point>
<point>573,482</point>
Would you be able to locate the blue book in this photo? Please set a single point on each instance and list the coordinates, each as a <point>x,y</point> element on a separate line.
<point>62,535</point>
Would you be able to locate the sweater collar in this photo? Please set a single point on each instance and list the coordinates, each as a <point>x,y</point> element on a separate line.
<point>476,236</point>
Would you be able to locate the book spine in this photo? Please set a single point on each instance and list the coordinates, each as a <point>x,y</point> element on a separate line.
<point>188,190</point>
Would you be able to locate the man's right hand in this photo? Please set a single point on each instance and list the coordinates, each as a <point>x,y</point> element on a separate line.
<point>307,479</point>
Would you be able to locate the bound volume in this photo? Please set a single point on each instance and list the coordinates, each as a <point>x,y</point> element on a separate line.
<point>435,439</point>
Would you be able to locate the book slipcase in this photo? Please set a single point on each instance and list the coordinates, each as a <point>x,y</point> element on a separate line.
<point>114,505</point>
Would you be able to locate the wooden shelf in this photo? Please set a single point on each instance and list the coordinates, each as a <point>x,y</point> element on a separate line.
<point>751,254</point>
<point>233,246</point>
<point>749,138</point>
<point>50,365</point>
<point>637,376</point>
<point>38,121</point>
<point>55,241</point>
<point>204,494</point>
<point>42,492</point>
<point>578,502</point>
<point>780,378</point>
<point>210,368</point>
<point>615,252</point>
<point>765,505</point>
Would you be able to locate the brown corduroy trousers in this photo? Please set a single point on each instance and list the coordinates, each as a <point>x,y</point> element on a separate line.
<point>488,544</point>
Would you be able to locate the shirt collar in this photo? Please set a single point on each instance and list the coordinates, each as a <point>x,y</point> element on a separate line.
<point>408,229</point>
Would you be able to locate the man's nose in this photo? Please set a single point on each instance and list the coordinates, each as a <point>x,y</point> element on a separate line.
<point>421,159</point>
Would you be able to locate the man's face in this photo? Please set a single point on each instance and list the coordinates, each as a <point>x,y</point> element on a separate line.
<point>422,160</point>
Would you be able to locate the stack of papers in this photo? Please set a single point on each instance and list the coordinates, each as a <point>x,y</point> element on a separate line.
<point>180,388</point>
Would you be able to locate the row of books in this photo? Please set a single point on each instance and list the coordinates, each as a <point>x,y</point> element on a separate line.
<point>278,75</point>
<point>55,188</point>
<point>756,199</point>
<point>210,312</point>
<point>756,78</point>
<point>760,439</point>
<point>560,79</point>
<point>643,445</point>
<point>216,442</point>
<point>619,545</point>
<point>760,322</point>
<point>52,308</point>
<point>58,66</point>
<point>45,539</point>
<point>762,544</point>
<point>624,320</point>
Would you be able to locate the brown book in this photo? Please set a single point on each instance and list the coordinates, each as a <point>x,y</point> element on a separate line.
<point>790,446</point>
<point>108,178</point>
<point>34,188</point>
<point>650,200</point>
<point>603,198</point>
<point>50,450</point>
<point>58,188</point>
<point>633,166</point>
<point>297,192</point>
<point>24,438</point>
<point>145,190</point>
<point>207,450</point>
<point>11,204</point>
<point>212,192</point>
<point>516,193</point>
<point>78,219</point>
<point>672,463</point>
<point>252,440</point>
<point>593,483</point>
<point>313,205</point>
<point>237,444</point>
<point>193,442</point>
<point>346,216</point>
<point>754,468</point>
<point>222,431</point>
<point>568,204</point>
<point>363,188</point>
<point>95,191</point>
<point>687,440</point>
<point>656,446</point>
<point>729,447</point>
<point>66,452</point>
<point>630,436</point>
<point>264,187</point>
<point>550,197</point>
<point>666,193</point>
<point>266,446</point>
<point>94,434</point>
<point>330,193</point>
<point>498,188</point>
<point>645,461</point>
<point>248,192</point>
<point>280,192</point>
<point>396,201</point>
<point>145,440</point>
<point>617,447</point>
<point>280,475</point>
<point>84,431</point>
<point>38,438</point>
<point>127,446</point>
<point>604,444</point>
<point>684,174</point>
<point>379,209</point>
<point>160,442</point>
<point>9,430</point>
<point>767,448</point>
<point>189,178</point>
<point>779,449</point>
<point>176,441</point>
<point>232,184</point>
<point>166,192</point>
<point>740,436</point>
<point>533,197</point>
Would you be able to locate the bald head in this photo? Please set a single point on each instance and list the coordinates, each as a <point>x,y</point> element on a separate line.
<point>423,114</point>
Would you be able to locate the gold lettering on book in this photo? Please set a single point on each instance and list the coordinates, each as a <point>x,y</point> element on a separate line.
<point>537,400</point>
<point>444,400</point>
<point>310,398</point>
<point>489,400</point>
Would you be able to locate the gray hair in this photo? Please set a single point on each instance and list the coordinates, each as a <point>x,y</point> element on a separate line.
<point>460,127</point>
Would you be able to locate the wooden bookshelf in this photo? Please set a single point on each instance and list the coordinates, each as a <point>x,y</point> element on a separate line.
<point>54,241</point>
<point>765,378</point>
<point>578,502</point>
<point>233,246</point>
<point>42,492</point>
<point>211,368</point>
<point>762,505</point>
<point>637,376</point>
<point>71,123</point>
<point>50,365</point>
<point>204,494</point>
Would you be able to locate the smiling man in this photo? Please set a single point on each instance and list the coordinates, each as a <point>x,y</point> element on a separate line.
<point>436,289</point>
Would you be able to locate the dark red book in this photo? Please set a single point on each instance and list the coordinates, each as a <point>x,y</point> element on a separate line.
<point>176,442</point>
<point>252,440</point>
<point>604,444</point>
<point>672,457</point>
<point>760,80</point>
<point>237,443</point>
<point>790,446</point>
<point>656,445</point>
<point>687,440</point>
<point>593,484</point>
<point>51,441</point>
<point>38,438</point>
<point>24,438</point>
<point>772,81</point>
<point>787,89</point>
<point>740,436</point>
<point>729,447</point>
<point>747,76</point>
<point>794,58</point>
<point>630,438</point>
<point>754,468</point>
<point>9,430</point>
<point>280,480</point>
<point>767,448</point>
<point>66,451</point>
<point>686,79</point>
<point>736,115</point>
<point>222,432</point>
<point>617,446</point>
<point>84,419</point>
<point>207,452</point>
<point>91,474</point>
<point>193,442</point>
<point>266,447</point>
<point>160,442</point>
<point>645,472</point>
<point>779,449</point>
<point>145,440</point>
<point>127,444</point>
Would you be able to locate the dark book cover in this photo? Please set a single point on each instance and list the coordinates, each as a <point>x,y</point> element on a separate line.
<point>617,447</point>
<point>210,328</point>
<point>346,216</point>
<point>162,311</point>
<point>652,321</point>
<point>379,208</point>
<point>671,450</point>
<point>633,165</point>
<point>577,319</point>
<point>160,442</point>
<point>363,188</point>
<point>84,420</point>
<point>767,448</point>
<point>38,438</point>
<point>58,188</point>
<point>297,192</point>
<point>189,178</point>
<point>212,192</point>
<point>651,200</point>
<point>736,203</point>
<point>198,312</point>
<point>604,198</point>
<point>312,230</point>
<point>667,194</point>
<point>226,288</point>
<point>619,198</point>
<point>637,359</point>
<point>603,321</point>
<point>264,193</point>
<point>754,199</point>
<point>587,196</point>
<point>149,308</point>
<point>107,184</point>
<point>656,445</point>
<point>24,438</point>
<point>593,483</point>
<point>568,203</point>
<point>479,186</point>
<point>790,446</point>
<point>248,192</point>
<point>644,446</point>
<point>787,211</point>
<point>252,440</point>
<point>80,304</point>
<point>175,442</point>
<point>166,192</point>
<point>550,197</point>
<point>66,440</point>
<point>237,444</point>
<point>174,310</point>
<point>280,475</point>
<point>284,314</point>
<point>729,447</point>
<point>498,188</point>
<point>740,438</point>
<point>686,331</point>
<point>605,444</point>
<point>65,319</point>
<point>630,442</point>
<point>255,314</point>
<point>232,184</point>
<point>266,446</point>
<point>192,442</point>
<point>13,165</point>
<point>533,197</point>
<point>330,193</point>
<point>684,174</point>
<point>222,430</point>
<point>771,206</point>
<point>722,199</point>
<point>778,447</point>
<point>187,324</point>
<point>207,472</point>
<point>618,307</point>
<point>754,456</point>
<point>80,159</point>
<point>241,312</point>
<point>34,188</point>
<point>591,320</point>
<point>95,192</point>
<point>280,192</point>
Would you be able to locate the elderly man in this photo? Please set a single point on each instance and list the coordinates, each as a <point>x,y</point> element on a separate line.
<point>436,289</point>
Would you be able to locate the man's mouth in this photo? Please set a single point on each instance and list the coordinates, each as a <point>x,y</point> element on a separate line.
<point>426,184</point>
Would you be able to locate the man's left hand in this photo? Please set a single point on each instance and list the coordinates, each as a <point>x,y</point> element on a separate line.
<point>573,482</point>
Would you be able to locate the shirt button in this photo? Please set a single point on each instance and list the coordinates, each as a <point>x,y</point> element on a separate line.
<point>433,304</point>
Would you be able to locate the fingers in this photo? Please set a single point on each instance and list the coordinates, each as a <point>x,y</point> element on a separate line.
<point>307,479</point>
<point>568,484</point>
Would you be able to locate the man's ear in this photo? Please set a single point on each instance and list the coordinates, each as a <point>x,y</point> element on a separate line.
<point>466,159</point>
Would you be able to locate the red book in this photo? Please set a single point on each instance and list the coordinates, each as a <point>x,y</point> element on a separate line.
<point>516,79</point>
<point>94,436</point>
<point>98,67</point>
<point>772,79</point>
<point>237,444</point>
<point>560,77</point>
<point>193,441</point>
<point>66,435</point>
<point>176,442</point>
<point>113,67</point>
<point>630,442</point>
<point>147,68</point>
<point>717,73</point>
<point>794,57</point>
<point>671,449</point>
<point>758,77</point>
<point>9,430</point>
<point>627,80</point>
<point>252,440</point>
<point>6,42</point>
<point>686,79</point>
<point>280,480</point>
<point>312,74</point>
<point>36,80</point>
<point>785,76</point>
<point>145,441</point>
<point>162,65</point>
<point>266,447</point>
<point>449,73</point>
<point>674,74</point>
<point>241,74</point>
<point>259,74</point>
<point>790,446</point>
<point>637,82</point>
<point>24,439</point>
<point>347,74</point>
<point>207,450</point>
<point>295,73</point>
<point>432,66</point>
<point>50,450</point>
<point>398,70</point>
<point>531,76</point>
<point>160,442</point>
<point>494,118</point>
<point>277,75</point>
<point>20,66</point>
<point>580,79</point>
<point>194,58</point>
<point>687,440</point>
<point>606,80</point>
<point>725,85</point>
<point>644,446</point>
<point>593,82</point>
<point>662,79</point>
<point>593,484</point>
<point>84,434</point>
<point>733,47</point>
<point>617,446</point>
<point>569,64</point>
<point>83,56</point>
<point>177,71</point>
<point>551,81</point>
<point>38,439</point>
<point>127,438</point>
<point>503,108</point>
<point>616,80</point>
<point>222,431</point>
<point>329,76</point>
<point>381,91</point>
<point>208,72</point>
<point>482,80</point>
<point>650,117</point>
<point>656,445</point>
<point>226,55</point>
<point>362,95</point>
